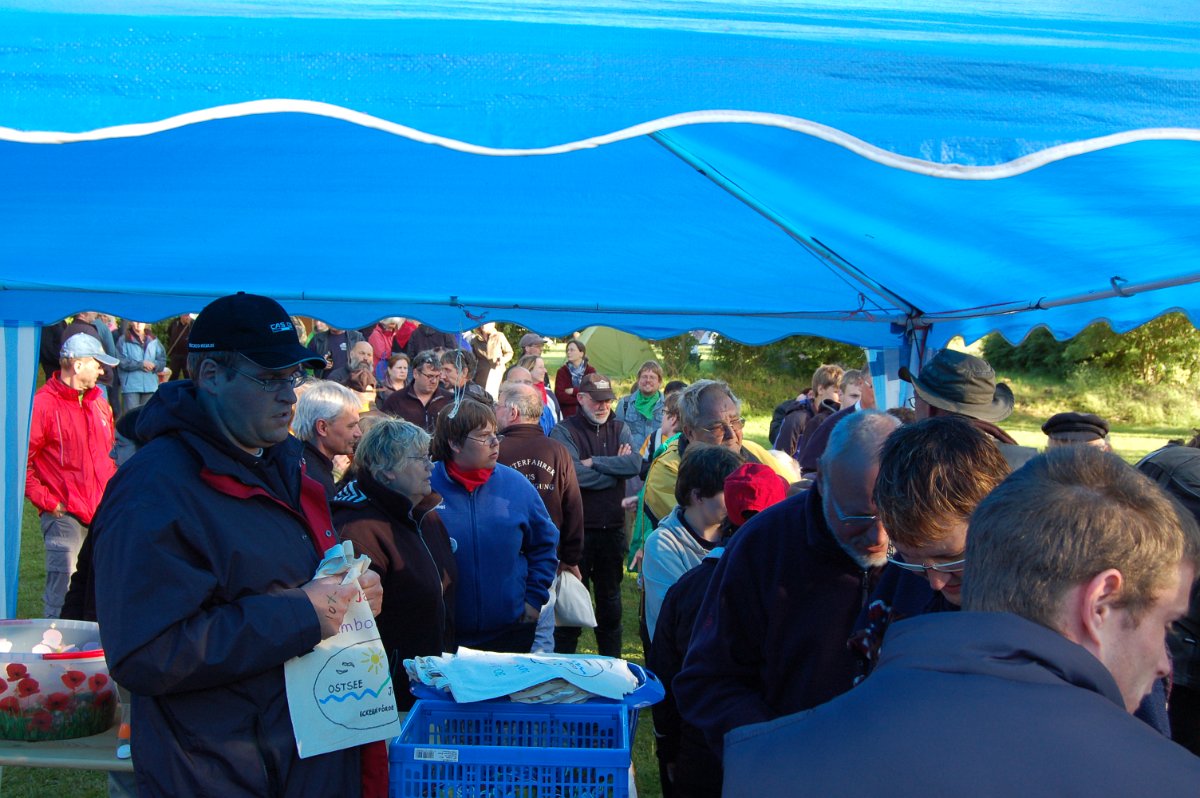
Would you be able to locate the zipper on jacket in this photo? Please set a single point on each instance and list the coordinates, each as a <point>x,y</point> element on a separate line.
<point>270,774</point>
<point>437,571</point>
<point>478,574</point>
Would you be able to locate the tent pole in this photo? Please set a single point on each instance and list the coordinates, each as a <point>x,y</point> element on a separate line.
<point>828,256</point>
<point>1119,289</point>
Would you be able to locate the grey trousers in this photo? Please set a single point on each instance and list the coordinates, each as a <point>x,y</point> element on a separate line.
<point>63,537</point>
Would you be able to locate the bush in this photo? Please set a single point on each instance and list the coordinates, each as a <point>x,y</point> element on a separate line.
<point>795,357</point>
<point>1166,349</point>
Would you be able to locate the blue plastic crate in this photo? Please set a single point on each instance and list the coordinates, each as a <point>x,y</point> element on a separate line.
<point>492,750</point>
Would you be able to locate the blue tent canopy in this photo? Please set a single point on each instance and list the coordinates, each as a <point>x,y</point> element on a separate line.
<point>859,171</point>
<point>881,165</point>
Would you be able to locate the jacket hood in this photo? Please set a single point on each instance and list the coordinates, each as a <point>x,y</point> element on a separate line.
<point>174,408</point>
<point>995,644</point>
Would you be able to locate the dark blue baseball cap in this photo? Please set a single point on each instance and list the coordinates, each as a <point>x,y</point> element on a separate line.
<point>254,326</point>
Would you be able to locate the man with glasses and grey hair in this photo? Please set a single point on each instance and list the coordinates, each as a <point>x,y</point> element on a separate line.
<point>424,397</point>
<point>708,413</point>
<point>207,541</point>
<point>771,635</point>
<point>1078,566</point>
<point>326,421</point>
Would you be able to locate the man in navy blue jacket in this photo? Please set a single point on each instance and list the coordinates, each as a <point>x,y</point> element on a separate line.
<point>771,635</point>
<point>207,540</point>
<point>1078,566</point>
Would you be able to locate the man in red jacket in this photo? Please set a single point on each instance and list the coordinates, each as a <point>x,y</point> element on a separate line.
<point>70,436</point>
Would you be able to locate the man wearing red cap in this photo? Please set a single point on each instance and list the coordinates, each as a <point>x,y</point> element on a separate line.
<point>208,539</point>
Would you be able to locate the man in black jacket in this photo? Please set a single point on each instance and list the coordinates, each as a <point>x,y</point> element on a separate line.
<point>327,421</point>
<point>208,539</point>
<point>602,450</point>
<point>333,347</point>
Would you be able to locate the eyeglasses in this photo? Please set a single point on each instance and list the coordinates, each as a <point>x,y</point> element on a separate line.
<point>721,429</point>
<point>849,523</point>
<point>491,440</point>
<point>953,567</point>
<point>424,459</point>
<point>430,375</point>
<point>275,384</point>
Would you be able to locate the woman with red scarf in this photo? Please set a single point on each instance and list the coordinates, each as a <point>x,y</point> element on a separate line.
<point>504,541</point>
<point>551,412</point>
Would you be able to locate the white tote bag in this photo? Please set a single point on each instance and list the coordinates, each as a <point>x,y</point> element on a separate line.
<point>340,694</point>
<point>572,603</point>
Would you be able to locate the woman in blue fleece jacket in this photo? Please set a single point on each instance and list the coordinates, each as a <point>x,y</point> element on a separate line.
<point>504,541</point>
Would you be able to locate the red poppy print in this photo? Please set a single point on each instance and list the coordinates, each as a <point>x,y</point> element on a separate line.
<point>17,671</point>
<point>95,682</point>
<point>73,679</point>
<point>103,699</point>
<point>27,687</point>
<point>42,721</point>
<point>10,705</point>
<point>58,702</point>
<point>3,687</point>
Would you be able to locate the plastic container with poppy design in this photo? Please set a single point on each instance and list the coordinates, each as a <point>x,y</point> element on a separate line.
<point>54,683</point>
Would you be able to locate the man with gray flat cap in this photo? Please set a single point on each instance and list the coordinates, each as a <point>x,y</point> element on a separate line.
<point>1067,429</point>
<point>208,539</point>
<point>955,383</point>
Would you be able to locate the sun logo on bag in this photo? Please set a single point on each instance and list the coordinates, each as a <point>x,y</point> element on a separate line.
<point>374,660</point>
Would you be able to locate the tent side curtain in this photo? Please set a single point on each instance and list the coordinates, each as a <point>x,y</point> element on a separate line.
<point>19,343</point>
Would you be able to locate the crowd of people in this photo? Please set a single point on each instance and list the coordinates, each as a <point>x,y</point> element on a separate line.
<point>910,581</point>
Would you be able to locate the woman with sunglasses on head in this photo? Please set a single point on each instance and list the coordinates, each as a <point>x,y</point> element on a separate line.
<point>505,542</point>
<point>387,510</point>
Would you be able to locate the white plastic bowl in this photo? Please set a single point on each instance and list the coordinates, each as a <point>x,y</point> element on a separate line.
<point>60,691</point>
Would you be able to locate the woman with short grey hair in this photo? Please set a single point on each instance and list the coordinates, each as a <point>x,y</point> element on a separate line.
<point>388,512</point>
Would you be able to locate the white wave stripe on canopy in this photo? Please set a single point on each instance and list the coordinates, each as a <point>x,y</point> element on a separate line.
<point>867,150</point>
